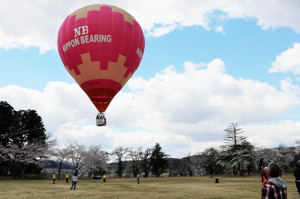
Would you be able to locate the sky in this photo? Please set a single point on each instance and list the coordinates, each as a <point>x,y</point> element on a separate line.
<point>207,63</point>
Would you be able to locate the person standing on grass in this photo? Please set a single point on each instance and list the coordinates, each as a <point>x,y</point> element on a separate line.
<point>104,178</point>
<point>275,187</point>
<point>53,177</point>
<point>74,180</point>
<point>67,177</point>
<point>297,176</point>
<point>138,178</point>
<point>264,177</point>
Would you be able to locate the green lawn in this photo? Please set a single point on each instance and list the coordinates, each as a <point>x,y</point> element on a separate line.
<point>152,188</point>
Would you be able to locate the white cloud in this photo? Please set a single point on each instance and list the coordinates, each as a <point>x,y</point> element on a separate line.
<point>58,103</point>
<point>183,111</point>
<point>269,13</point>
<point>288,61</point>
<point>162,30</point>
<point>32,23</point>
<point>284,132</point>
<point>219,29</point>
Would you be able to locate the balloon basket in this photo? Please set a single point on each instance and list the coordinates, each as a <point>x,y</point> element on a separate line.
<point>100,119</point>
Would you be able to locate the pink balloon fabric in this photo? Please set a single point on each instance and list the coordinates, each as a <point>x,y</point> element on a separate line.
<point>101,47</point>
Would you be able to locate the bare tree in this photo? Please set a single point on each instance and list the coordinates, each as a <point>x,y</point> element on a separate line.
<point>95,160</point>
<point>234,146</point>
<point>233,135</point>
<point>188,164</point>
<point>76,153</point>
<point>135,157</point>
<point>121,153</point>
<point>28,154</point>
<point>287,156</point>
<point>61,155</point>
<point>266,155</point>
<point>283,156</point>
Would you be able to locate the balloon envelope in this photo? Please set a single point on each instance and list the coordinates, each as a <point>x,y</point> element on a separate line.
<point>101,46</point>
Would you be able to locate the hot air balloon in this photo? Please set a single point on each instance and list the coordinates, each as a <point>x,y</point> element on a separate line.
<point>101,46</point>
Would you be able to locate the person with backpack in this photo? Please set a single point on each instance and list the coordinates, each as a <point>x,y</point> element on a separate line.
<point>275,187</point>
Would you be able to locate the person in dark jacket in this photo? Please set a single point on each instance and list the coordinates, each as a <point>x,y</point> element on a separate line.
<point>74,180</point>
<point>297,176</point>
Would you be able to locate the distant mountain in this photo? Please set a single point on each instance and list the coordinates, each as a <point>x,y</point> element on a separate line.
<point>51,164</point>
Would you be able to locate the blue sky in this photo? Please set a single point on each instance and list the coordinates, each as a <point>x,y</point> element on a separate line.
<point>207,63</point>
<point>242,40</point>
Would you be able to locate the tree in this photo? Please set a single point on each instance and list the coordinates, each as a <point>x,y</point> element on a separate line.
<point>233,148</point>
<point>176,167</point>
<point>136,157</point>
<point>243,158</point>
<point>95,161</point>
<point>20,127</point>
<point>296,160</point>
<point>286,157</point>
<point>146,162</point>
<point>188,165</point>
<point>233,135</point>
<point>265,156</point>
<point>158,160</point>
<point>7,118</point>
<point>121,153</point>
<point>209,161</point>
<point>32,126</point>
<point>27,157</point>
<point>61,155</point>
<point>23,136</point>
<point>76,153</point>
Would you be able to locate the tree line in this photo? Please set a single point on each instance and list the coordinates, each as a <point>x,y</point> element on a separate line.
<point>23,141</point>
<point>25,146</point>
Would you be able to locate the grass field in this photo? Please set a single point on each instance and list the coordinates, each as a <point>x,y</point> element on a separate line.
<point>152,188</point>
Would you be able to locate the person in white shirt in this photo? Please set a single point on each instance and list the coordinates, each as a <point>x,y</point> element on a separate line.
<point>74,180</point>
